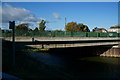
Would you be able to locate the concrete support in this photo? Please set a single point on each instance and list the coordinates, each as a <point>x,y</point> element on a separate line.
<point>113,52</point>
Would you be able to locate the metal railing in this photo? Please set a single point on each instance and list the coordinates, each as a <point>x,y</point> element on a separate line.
<point>61,34</point>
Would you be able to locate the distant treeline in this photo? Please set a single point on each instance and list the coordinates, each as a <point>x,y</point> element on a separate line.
<point>23,29</point>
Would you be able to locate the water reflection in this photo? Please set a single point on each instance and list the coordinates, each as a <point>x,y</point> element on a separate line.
<point>51,60</point>
<point>81,67</point>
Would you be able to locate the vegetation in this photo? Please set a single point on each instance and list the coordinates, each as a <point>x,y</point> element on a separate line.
<point>74,27</point>
<point>58,30</point>
<point>22,28</point>
<point>36,29</point>
<point>42,25</point>
<point>6,33</point>
<point>115,27</point>
<point>36,50</point>
<point>94,29</point>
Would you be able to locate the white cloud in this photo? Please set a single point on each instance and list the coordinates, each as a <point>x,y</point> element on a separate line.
<point>56,15</point>
<point>47,21</point>
<point>18,14</point>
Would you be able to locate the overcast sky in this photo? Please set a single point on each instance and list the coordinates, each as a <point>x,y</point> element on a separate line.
<point>92,14</point>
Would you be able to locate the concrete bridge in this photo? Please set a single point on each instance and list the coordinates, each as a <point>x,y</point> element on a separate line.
<point>97,46</point>
<point>64,42</point>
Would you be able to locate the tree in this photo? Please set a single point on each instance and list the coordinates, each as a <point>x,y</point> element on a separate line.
<point>58,30</point>
<point>30,30</point>
<point>3,31</point>
<point>23,26</point>
<point>36,29</point>
<point>94,29</point>
<point>42,25</point>
<point>115,27</point>
<point>22,29</point>
<point>0,30</point>
<point>85,28</point>
<point>82,28</point>
<point>74,27</point>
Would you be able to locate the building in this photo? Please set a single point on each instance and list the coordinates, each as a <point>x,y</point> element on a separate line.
<point>116,30</point>
<point>100,30</point>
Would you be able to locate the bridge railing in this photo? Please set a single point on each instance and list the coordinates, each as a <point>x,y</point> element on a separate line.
<point>62,34</point>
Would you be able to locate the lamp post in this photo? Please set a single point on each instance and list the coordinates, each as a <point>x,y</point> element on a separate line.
<point>65,21</point>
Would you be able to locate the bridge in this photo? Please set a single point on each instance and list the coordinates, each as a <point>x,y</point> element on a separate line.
<point>51,39</point>
<point>95,45</point>
<point>64,42</point>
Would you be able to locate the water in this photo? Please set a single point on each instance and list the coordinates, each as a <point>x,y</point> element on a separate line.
<point>77,67</point>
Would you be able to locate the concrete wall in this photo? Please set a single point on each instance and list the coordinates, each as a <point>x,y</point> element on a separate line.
<point>112,52</point>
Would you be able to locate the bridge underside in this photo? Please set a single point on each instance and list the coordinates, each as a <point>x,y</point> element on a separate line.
<point>72,45</point>
<point>64,42</point>
<point>85,46</point>
<point>67,44</point>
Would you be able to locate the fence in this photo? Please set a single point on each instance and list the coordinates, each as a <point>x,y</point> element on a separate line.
<point>62,34</point>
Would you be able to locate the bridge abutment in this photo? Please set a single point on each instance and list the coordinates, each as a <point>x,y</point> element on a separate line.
<point>112,52</point>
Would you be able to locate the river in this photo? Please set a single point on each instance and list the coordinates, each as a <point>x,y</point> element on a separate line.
<point>76,67</point>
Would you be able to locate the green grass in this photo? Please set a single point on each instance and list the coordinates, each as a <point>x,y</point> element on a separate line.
<point>35,50</point>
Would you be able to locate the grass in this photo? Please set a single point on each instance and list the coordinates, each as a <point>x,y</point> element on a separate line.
<point>35,50</point>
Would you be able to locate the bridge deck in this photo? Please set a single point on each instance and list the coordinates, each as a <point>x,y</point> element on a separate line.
<point>61,42</point>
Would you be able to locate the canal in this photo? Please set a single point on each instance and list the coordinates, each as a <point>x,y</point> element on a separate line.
<point>61,64</point>
<point>70,65</point>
